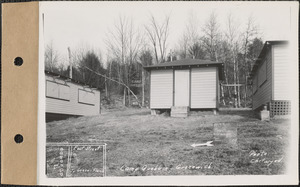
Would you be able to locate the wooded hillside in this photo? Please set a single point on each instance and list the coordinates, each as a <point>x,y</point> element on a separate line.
<point>121,77</point>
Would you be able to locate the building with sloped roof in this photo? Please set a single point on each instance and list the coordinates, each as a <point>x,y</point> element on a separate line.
<point>271,79</point>
<point>185,84</point>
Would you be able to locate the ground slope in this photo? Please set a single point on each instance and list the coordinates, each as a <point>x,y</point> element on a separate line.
<point>139,144</point>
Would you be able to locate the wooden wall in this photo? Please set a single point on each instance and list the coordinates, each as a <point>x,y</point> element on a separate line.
<point>276,84</point>
<point>203,88</point>
<point>70,98</point>
<point>161,91</point>
<point>262,90</point>
<point>282,72</point>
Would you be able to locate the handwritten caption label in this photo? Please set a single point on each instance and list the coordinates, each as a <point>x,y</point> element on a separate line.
<point>165,168</point>
<point>75,160</point>
<point>260,157</point>
<point>87,148</point>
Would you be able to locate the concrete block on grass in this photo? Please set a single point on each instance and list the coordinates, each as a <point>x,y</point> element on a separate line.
<point>264,115</point>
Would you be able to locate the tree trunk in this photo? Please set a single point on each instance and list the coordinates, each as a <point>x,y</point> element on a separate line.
<point>106,94</point>
<point>238,82</point>
<point>226,80</point>
<point>222,94</point>
<point>143,88</point>
<point>234,80</point>
<point>109,84</point>
<point>246,89</point>
<point>124,96</point>
<point>121,83</point>
<point>129,99</point>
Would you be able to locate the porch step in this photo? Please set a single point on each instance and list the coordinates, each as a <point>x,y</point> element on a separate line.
<point>179,111</point>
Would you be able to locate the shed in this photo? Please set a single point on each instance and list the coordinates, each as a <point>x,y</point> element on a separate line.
<point>271,79</point>
<point>67,97</point>
<point>185,84</point>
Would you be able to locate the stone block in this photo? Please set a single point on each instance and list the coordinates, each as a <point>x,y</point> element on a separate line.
<point>264,115</point>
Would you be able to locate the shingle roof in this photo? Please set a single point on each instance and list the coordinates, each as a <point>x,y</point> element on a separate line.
<point>184,62</point>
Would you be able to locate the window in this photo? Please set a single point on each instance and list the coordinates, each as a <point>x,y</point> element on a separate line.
<point>262,74</point>
<point>64,92</point>
<point>57,90</point>
<point>86,97</point>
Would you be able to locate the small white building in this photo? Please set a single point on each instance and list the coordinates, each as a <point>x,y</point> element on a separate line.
<point>187,83</point>
<point>66,97</point>
<point>271,79</point>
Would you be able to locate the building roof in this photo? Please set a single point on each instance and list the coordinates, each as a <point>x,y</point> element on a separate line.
<point>68,78</point>
<point>265,48</point>
<point>184,63</point>
<point>187,63</point>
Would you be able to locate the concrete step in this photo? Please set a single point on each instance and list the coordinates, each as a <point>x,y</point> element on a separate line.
<point>180,109</point>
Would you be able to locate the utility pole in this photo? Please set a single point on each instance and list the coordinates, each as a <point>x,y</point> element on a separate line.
<point>70,61</point>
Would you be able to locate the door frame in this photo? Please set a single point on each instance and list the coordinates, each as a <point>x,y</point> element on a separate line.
<point>189,84</point>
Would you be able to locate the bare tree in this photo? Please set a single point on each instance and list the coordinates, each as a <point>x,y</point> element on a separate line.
<point>251,32</point>
<point>158,35</point>
<point>146,60</point>
<point>214,46</point>
<point>192,28</point>
<point>123,44</point>
<point>232,35</point>
<point>211,37</point>
<point>196,51</point>
<point>183,46</point>
<point>51,57</point>
<point>189,44</point>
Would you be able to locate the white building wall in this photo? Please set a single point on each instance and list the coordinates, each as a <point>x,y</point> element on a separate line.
<point>282,72</point>
<point>161,91</point>
<point>262,90</point>
<point>204,87</point>
<point>69,101</point>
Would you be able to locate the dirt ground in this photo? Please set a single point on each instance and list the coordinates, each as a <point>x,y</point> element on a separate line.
<point>139,144</point>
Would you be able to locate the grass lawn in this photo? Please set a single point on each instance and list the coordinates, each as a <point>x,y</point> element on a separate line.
<point>139,144</point>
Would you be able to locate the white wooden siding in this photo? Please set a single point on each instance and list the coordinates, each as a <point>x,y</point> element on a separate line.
<point>86,97</point>
<point>57,90</point>
<point>52,89</point>
<point>263,93</point>
<point>281,72</point>
<point>64,92</point>
<point>255,84</point>
<point>204,87</point>
<point>161,90</point>
<point>262,74</point>
<point>71,107</point>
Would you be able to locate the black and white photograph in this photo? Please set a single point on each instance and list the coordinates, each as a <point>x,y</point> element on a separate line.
<point>136,90</point>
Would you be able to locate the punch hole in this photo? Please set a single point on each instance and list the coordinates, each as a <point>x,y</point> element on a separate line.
<point>18,61</point>
<point>18,138</point>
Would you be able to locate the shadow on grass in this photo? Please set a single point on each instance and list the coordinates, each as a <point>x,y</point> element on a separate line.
<point>243,113</point>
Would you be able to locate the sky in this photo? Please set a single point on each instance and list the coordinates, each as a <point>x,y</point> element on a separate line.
<point>77,24</point>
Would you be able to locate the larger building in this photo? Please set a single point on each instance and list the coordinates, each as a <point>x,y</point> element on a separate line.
<point>272,80</point>
<point>66,97</point>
